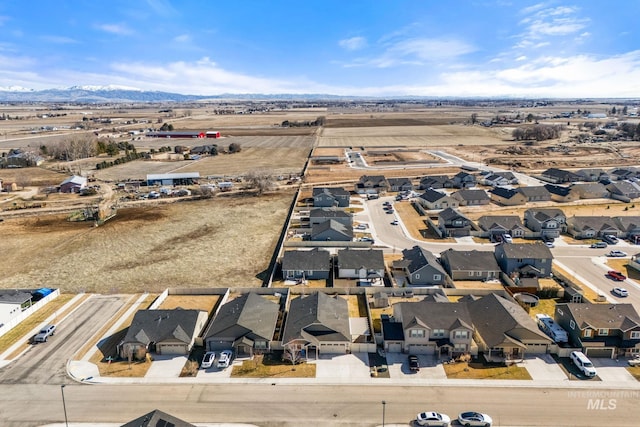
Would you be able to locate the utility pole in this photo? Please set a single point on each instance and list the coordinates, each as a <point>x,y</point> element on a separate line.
<point>64,406</point>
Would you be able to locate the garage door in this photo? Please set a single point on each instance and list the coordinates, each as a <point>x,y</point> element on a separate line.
<point>172,349</point>
<point>394,347</point>
<point>421,349</point>
<point>599,352</point>
<point>333,348</point>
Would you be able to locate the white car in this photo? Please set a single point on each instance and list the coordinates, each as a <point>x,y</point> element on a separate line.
<point>225,359</point>
<point>617,254</point>
<point>207,360</point>
<point>432,419</point>
<point>469,419</point>
<point>620,292</point>
<point>550,244</point>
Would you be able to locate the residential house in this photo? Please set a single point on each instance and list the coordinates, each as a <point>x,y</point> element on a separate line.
<point>535,194</point>
<point>471,197</point>
<point>624,190</point>
<point>548,222</point>
<point>621,174</point>
<point>601,330</point>
<point>435,328</point>
<point>452,223</point>
<point>588,227</point>
<point>400,184</point>
<point>11,304</point>
<point>593,175</point>
<point>560,176</point>
<point>162,332</point>
<point>317,324</point>
<point>507,196</point>
<point>498,225</point>
<point>421,267</point>
<point>372,184</point>
<point>499,179</point>
<point>470,265</point>
<point>561,194</point>
<point>436,182</point>
<point>157,418</point>
<point>73,184</point>
<point>331,230</point>
<point>591,190</point>
<point>464,180</point>
<point>432,200</point>
<point>503,329</point>
<point>328,197</point>
<point>524,259</point>
<point>204,149</point>
<point>306,265</point>
<point>360,264</point>
<point>629,226</point>
<point>245,324</point>
<point>320,215</point>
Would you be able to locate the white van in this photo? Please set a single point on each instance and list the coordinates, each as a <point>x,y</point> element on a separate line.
<point>583,363</point>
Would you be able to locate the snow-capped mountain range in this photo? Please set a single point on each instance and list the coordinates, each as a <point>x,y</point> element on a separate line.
<point>90,94</point>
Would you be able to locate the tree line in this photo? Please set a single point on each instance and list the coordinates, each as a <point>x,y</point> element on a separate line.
<point>537,132</point>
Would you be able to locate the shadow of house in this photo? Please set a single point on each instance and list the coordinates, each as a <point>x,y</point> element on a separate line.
<point>245,324</point>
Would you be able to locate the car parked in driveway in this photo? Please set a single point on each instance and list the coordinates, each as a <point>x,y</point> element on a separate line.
<point>617,254</point>
<point>473,419</point>
<point>432,419</point>
<point>207,360</point>
<point>610,239</point>
<point>620,292</point>
<point>414,363</point>
<point>616,275</point>
<point>225,359</point>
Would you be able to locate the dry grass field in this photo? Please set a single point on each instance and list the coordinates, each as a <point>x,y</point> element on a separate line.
<point>220,242</point>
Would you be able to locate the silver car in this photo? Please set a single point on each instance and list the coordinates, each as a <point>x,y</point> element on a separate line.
<point>207,360</point>
<point>473,419</point>
<point>432,419</point>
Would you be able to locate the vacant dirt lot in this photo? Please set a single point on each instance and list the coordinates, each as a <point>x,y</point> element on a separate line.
<point>220,242</point>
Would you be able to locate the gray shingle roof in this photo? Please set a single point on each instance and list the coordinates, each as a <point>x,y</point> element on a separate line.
<point>558,190</point>
<point>435,315</point>
<point>356,258</point>
<point>418,257</point>
<point>509,222</point>
<point>338,227</point>
<point>503,192</point>
<point>449,214</point>
<point>604,316</point>
<point>592,222</point>
<point>471,195</point>
<point>470,260</point>
<point>536,250</point>
<point>432,195</point>
<point>249,314</point>
<point>329,213</point>
<point>161,325</point>
<point>14,297</point>
<point>538,191</point>
<point>157,418</point>
<point>319,315</point>
<point>334,191</point>
<point>313,260</point>
<point>545,214</point>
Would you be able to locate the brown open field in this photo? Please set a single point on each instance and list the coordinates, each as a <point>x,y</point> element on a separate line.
<point>219,242</point>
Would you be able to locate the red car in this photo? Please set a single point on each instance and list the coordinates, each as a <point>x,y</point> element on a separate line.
<point>616,275</point>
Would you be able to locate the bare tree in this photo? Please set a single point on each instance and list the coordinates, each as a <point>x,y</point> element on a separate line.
<point>261,180</point>
<point>292,354</point>
<point>474,118</point>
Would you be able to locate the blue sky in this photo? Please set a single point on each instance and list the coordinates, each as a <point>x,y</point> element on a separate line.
<point>584,48</point>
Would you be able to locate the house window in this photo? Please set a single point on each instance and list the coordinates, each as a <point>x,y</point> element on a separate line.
<point>635,335</point>
<point>437,277</point>
<point>438,333</point>
<point>572,324</point>
<point>416,333</point>
<point>478,273</point>
<point>461,335</point>
<point>260,344</point>
<point>460,348</point>
<point>587,333</point>
<point>417,275</point>
<point>471,273</point>
<point>603,332</point>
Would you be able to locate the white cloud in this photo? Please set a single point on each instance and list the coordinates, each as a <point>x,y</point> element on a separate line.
<point>182,38</point>
<point>162,7</point>
<point>119,29</point>
<point>543,23</point>
<point>59,39</point>
<point>354,43</point>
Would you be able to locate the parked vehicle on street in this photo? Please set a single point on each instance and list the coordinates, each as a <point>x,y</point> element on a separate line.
<point>616,275</point>
<point>225,359</point>
<point>45,333</point>
<point>432,419</point>
<point>583,363</point>
<point>599,245</point>
<point>414,363</point>
<point>394,222</point>
<point>617,254</point>
<point>472,419</point>
<point>620,292</point>
<point>207,360</point>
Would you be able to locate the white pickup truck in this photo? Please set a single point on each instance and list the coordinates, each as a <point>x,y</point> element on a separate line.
<point>44,333</point>
<point>635,361</point>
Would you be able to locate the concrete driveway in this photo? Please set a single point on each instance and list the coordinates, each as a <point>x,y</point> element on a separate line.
<point>543,367</point>
<point>614,371</point>
<point>343,368</point>
<point>166,366</point>
<point>429,368</point>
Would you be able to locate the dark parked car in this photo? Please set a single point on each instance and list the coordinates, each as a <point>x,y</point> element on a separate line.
<point>414,364</point>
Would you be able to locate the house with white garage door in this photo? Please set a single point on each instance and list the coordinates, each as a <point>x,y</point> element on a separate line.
<point>317,324</point>
<point>162,332</point>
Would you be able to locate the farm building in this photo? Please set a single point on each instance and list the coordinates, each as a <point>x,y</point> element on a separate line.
<point>186,178</point>
<point>73,184</point>
<point>184,134</point>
